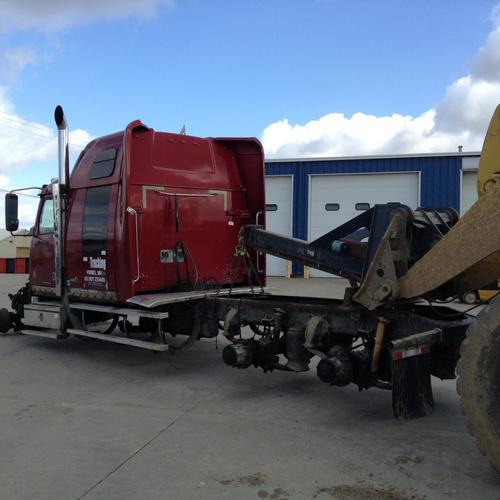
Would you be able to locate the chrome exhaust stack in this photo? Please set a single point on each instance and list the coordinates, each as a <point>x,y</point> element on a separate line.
<point>59,192</point>
<point>63,148</point>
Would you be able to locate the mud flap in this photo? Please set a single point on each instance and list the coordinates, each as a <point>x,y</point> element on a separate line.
<point>411,387</point>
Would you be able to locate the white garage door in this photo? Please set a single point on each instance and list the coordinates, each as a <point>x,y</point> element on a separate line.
<point>334,199</point>
<point>278,216</point>
<point>469,190</point>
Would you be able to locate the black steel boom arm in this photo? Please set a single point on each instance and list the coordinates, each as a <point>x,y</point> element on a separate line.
<point>306,253</point>
<point>373,250</point>
<point>340,251</point>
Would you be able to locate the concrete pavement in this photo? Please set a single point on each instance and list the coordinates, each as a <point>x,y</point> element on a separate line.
<point>100,421</point>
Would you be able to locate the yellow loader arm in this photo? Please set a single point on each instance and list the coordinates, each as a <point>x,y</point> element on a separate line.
<point>470,251</point>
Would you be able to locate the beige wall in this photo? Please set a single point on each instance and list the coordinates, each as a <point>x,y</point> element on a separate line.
<point>22,252</point>
<point>15,246</point>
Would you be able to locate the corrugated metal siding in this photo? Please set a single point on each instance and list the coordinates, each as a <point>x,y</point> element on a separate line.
<point>439,181</point>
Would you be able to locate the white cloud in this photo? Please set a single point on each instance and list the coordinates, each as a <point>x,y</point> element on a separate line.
<point>460,118</point>
<point>23,142</point>
<point>53,15</point>
<point>12,61</point>
<point>487,63</point>
<point>495,15</point>
<point>27,212</point>
<point>27,205</point>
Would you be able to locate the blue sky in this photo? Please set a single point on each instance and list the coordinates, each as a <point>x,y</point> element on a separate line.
<point>308,77</point>
<point>233,67</point>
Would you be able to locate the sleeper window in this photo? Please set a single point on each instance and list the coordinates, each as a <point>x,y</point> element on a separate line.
<point>104,164</point>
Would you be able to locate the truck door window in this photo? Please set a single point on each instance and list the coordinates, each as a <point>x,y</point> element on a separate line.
<point>46,224</point>
<point>104,164</point>
<point>95,221</point>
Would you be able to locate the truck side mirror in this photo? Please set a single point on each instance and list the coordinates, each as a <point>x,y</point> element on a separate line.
<point>11,216</point>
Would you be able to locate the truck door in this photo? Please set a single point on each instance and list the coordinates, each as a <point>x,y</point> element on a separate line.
<point>98,223</point>
<point>90,243</point>
<point>42,248</point>
<point>91,258</point>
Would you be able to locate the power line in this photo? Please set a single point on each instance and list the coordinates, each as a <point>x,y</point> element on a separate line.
<point>35,126</point>
<point>48,136</point>
<point>17,119</point>
<point>19,129</point>
<point>44,128</point>
<point>74,143</point>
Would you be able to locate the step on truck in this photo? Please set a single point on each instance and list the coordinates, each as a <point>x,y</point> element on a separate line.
<point>157,240</point>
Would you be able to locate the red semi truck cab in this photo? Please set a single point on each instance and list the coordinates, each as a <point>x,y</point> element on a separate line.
<point>150,212</point>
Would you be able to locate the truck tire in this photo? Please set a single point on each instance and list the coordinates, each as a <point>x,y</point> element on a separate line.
<point>478,382</point>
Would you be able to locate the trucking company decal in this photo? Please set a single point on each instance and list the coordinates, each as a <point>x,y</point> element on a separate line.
<point>95,274</point>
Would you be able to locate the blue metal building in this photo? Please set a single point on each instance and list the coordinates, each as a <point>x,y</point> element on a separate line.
<point>430,180</point>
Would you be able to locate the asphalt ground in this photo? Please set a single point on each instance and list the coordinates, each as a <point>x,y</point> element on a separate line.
<point>100,421</point>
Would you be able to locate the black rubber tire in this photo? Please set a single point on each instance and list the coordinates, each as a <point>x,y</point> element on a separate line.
<point>5,321</point>
<point>478,382</point>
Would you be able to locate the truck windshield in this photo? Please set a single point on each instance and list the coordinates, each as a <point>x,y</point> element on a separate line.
<point>47,217</point>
